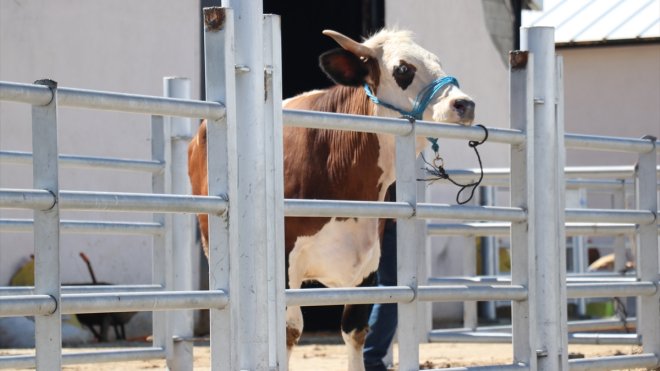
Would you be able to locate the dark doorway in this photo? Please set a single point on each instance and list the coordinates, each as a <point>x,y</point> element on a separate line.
<point>302,43</point>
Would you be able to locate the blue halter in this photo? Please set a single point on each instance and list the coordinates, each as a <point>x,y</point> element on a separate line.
<point>422,101</point>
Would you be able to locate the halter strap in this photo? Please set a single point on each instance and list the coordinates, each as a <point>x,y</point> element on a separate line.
<point>422,101</point>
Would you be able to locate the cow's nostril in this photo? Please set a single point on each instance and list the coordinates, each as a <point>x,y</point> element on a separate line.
<point>463,106</point>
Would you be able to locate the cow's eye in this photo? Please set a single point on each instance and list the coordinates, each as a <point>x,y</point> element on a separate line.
<point>404,74</point>
<point>401,69</point>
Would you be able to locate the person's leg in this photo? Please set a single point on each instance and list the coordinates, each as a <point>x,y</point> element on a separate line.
<point>383,319</point>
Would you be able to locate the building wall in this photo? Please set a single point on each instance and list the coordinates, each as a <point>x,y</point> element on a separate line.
<point>613,91</point>
<point>123,46</point>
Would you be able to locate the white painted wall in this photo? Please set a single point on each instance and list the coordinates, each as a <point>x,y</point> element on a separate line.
<point>126,46</point>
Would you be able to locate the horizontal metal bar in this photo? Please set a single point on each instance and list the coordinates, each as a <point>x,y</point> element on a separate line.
<point>339,121</point>
<point>346,209</point>
<point>83,288</point>
<point>74,200</point>
<point>371,124</point>
<point>443,211</point>
<point>446,293</point>
<point>610,289</point>
<point>503,229</point>
<point>26,199</point>
<point>628,362</point>
<point>143,301</point>
<point>605,339</point>
<point>453,131</point>
<point>110,163</point>
<point>336,296</point>
<point>365,209</point>
<point>80,226</point>
<point>511,367</point>
<point>120,355</point>
<point>505,337</point>
<point>103,100</point>
<point>603,143</point>
<point>506,280</point>
<point>573,326</point>
<point>27,305</point>
<point>610,216</point>
<point>123,355</point>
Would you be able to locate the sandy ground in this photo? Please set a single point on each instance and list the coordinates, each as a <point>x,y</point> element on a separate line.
<point>325,357</point>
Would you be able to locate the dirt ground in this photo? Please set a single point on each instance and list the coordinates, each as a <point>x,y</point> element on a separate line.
<point>331,357</point>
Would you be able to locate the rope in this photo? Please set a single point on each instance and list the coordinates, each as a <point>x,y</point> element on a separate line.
<point>438,171</point>
<point>422,101</point>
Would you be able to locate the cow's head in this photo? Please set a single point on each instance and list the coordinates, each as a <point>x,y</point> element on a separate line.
<point>396,69</point>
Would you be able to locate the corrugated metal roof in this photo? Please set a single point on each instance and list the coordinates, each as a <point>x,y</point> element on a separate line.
<point>589,21</point>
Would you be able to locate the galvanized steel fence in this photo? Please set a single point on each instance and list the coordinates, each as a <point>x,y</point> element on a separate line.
<point>246,293</point>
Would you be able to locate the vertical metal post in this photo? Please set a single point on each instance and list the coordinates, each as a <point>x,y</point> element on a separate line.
<point>523,267</point>
<point>424,312</point>
<point>162,243</point>
<point>560,232</point>
<point>547,204</point>
<point>620,255</point>
<point>252,237</point>
<point>470,312</point>
<point>489,251</point>
<point>648,266</point>
<point>223,181</point>
<point>48,329</point>
<point>183,249</point>
<point>275,192</point>
<point>407,240</point>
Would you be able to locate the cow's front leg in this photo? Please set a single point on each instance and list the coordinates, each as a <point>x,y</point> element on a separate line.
<point>354,328</point>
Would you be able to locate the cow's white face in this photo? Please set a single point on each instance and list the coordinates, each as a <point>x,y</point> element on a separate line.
<point>397,70</point>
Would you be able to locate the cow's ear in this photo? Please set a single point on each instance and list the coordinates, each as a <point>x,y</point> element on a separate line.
<point>344,67</point>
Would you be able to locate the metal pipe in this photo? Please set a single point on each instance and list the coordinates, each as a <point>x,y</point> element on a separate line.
<point>573,326</point>
<point>123,355</point>
<point>81,226</point>
<point>103,100</point>
<point>47,244</point>
<point>471,293</point>
<point>142,301</point>
<point>511,367</point>
<point>610,216</point>
<point>338,121</point>
<point>184,249</point>
<point>79,289</point>
<point>26,199</point>
<point>610,289</point>
<point>25,158</point>
<point>336,296</point>
<point>74,200</point>
<point>506,280</point>
<point>27,305</point>
<point>503,229</point>
<point>603,143</point>
<point>504,337</point>
<point>644,361</point>
<point>332,208</point>
<point>442,211</point>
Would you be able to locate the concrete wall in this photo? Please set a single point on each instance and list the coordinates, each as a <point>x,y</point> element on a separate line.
<point>126,46</point>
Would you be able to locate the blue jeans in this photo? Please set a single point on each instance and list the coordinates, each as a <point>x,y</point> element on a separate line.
<point>383,319</point>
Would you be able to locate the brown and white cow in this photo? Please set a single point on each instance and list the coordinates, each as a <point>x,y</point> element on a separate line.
<point>343,165</point>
